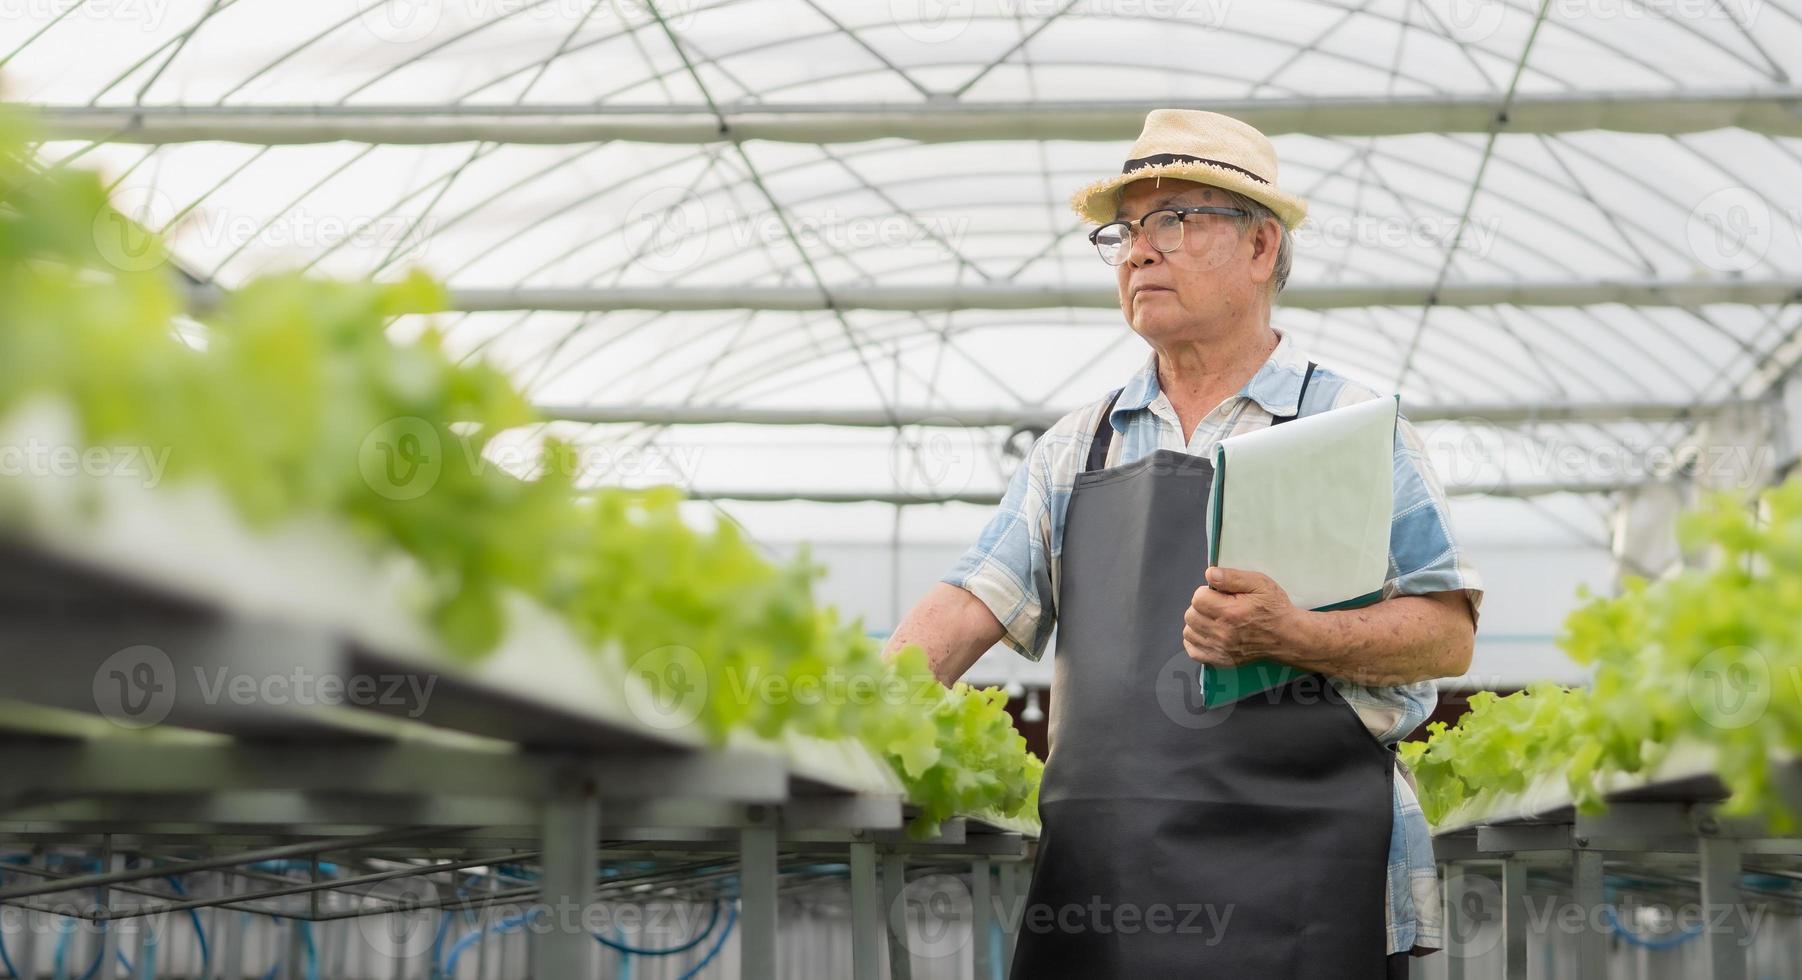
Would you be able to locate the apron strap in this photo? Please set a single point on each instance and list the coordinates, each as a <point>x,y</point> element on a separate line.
<point>1305,378</point>
<point>1104,435</point>
<point>1104,428</point>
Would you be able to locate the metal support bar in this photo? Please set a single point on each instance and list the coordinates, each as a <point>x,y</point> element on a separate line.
<point>295,964</point>
<point>1040,419</point>
<point>1723,923</point>
<point>1512,839</point>
<point>1013,910</point>
<point>1769,110</point>
<point>866,923</point>
<point>144,960</point>
<point>119,766</point>
<point>118,876</point>
<point>1514,919</point>
<point>982,918</point>
<point>1648,293</point>
<point>572,830</point>
<point>757,893</point>
<point>1592,941</point>
<point>894,901</point>
<point>315,888</point>
<point>1455,924</point>
<point>231,960</point>
<point>103,899</point>
<point>25,951</point>
<point>1537,488</point>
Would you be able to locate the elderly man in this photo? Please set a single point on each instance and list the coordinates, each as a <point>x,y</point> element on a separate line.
<point>1266,839</point>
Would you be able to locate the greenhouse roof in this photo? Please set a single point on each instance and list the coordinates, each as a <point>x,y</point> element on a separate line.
<point>1570,224</point>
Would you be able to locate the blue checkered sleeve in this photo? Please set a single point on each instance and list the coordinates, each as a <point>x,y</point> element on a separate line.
<point>1010,567</point>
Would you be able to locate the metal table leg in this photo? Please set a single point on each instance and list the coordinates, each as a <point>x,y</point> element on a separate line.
<point>1013,901</point>
<point>1724,927</point>
<point>1453,896</point>
<point>894,899</point>
<point>109,932</point>
<point>231,957</point>
<point>982,917</point>
<point>572,831</point>
<point>865,922</point>
<point>757,891</point>
<point>1592,942</point>
<point>399,964</point>
<point>143,965</point>
<point>295,959</point>
<point>482,922</point>
<point>25,947</point>
<point>1514,919</point>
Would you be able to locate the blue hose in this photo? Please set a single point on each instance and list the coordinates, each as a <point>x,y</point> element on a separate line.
<point>731,917</point>
<point>306,937</point>
<point>624,970</point>
<point>1634,939</point>
<point>456,951</point>
<point>444,922</point>
<point>206,953</point>
<point>671,951</point>
<point>62,953</point>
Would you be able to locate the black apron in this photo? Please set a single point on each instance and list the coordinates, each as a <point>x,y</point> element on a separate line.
<point>1244,842</point>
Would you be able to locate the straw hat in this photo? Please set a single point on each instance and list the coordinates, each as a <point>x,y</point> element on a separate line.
<point>1205,147</point>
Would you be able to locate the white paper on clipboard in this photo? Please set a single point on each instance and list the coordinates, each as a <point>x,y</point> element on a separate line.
<point>1309,503</point>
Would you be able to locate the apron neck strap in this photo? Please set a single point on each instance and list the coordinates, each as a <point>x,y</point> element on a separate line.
<point>1104,428</point>
<point>1305,378</point>
<point>1104,434</point>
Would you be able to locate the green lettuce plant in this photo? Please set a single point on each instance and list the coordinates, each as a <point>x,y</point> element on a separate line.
<point>292,399</point>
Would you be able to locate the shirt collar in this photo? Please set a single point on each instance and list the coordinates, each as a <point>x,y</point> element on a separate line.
<point>1276,386</point>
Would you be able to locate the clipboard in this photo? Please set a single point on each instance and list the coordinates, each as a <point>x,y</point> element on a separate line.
<point>1312,502</point>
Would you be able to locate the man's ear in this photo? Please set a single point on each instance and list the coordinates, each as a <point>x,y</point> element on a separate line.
<point>1265,243</point>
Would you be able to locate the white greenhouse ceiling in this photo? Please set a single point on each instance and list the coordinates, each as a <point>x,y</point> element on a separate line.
<point>699,230</point>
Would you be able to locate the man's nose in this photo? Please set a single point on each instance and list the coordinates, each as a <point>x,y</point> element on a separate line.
<point>1141,253</point>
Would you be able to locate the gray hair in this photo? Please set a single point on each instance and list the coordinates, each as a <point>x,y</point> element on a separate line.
<point>1256,214</point>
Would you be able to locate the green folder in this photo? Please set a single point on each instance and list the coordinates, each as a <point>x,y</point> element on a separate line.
<point>1224,685</point>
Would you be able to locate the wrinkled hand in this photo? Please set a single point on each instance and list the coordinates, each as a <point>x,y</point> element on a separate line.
<point>1239,616</point>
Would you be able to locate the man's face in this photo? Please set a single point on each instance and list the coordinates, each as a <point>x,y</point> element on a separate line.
<point>1205,285</point>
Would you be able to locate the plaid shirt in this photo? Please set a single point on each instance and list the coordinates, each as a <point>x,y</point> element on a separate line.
<point>1014,567</point>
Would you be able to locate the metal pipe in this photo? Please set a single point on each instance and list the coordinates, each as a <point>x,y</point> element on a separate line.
<point>208,864</point>
<point>1770,111</point>
<point>1642,293</point>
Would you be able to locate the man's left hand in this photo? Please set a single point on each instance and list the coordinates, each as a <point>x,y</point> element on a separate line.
<point>1237,617</point>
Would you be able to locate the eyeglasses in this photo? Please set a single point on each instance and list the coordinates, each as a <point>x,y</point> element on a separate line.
<point>1114,240</point>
